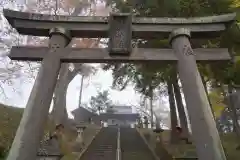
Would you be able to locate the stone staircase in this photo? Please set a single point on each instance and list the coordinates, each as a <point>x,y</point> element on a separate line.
<point>133,146</point>
<point>103,147</point>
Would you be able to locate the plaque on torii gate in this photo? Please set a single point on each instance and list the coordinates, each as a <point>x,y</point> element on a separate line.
<point>120,34</point>
<point>179,30</point>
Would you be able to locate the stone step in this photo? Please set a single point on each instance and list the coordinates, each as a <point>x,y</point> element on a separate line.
<point>132,146</point>
<point>136,156</point>
<point>189,158</point>
<point>102,153</point>
<point>103,147</point>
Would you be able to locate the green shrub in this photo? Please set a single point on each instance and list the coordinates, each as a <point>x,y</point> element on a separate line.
<point>2,152</point>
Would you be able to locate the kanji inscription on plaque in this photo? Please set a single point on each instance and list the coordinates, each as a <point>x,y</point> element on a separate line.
<point>120,34</point>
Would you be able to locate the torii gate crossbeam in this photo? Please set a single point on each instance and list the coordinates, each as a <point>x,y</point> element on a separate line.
<point>101,55</point>
<point>97,26</point>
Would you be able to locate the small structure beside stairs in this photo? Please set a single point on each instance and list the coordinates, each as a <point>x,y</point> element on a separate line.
<point>79,143</point>
<point>49,149</point>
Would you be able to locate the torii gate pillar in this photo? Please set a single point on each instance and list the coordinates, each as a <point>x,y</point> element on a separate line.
<point>31,127</point>
<point>207,142</point>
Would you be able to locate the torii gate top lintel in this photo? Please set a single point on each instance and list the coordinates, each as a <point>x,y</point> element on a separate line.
<point>97,26</point>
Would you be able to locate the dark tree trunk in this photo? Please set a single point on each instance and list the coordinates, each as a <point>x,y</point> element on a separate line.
<point>59,112</point>
<point>181,111</point>
<point>80,94</point>
<point>151,108</point>
<point>173,114</point>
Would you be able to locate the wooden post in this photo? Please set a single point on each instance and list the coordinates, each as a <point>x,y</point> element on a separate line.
<point>30,130</point>
<point>204,131</point>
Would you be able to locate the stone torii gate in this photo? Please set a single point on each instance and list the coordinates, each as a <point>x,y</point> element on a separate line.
<point>120,29</point>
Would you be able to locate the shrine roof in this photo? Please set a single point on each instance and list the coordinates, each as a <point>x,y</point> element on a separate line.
<point>106,116</point>
<point>97,26</point>
<point>82,110</point>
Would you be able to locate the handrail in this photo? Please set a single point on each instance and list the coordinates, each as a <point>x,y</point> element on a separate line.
<point>118,146</point>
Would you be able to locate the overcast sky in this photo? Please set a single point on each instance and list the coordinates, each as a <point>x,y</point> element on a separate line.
<point>102,80</point>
